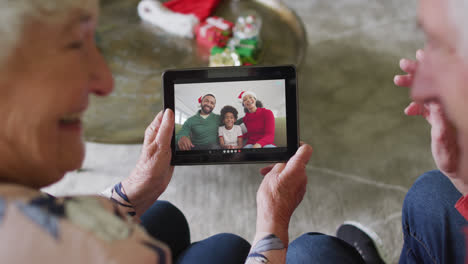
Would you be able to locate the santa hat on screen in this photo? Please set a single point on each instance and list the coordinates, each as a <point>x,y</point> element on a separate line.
<point>201,97</point>
<point>244,93</point>
<point>178,17</point>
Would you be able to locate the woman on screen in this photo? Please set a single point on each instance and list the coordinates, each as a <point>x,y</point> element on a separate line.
<point>259,121</point>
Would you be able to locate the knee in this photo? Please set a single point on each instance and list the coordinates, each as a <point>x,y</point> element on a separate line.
<point>166,207</point>
<point>228,239</point>
<point>309,241</point>
<point>221,248</point>
<point>429,197</point>
<point>320,248</point>
<point>164,214</point>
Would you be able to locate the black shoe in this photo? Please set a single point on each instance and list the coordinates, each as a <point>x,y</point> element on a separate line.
<point>362,239</point>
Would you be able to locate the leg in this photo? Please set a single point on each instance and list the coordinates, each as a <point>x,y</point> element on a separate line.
<point>248,146</point>
<point>432,227</point>
<point>166,223</point>
<point>221,248</point>
<point>270,146</point>
<point>320,248</point>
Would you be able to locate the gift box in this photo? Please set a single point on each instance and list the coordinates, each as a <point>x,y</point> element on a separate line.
<point>214,31</point>
<point>248,49</point>
<point>224,57</point>
<point>216,50</point>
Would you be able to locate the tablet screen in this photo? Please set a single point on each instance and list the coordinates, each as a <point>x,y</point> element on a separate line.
<point>230,117</point>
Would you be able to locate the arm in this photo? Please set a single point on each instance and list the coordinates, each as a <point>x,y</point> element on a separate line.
<point>240,142</point>
<point>183,140</point>
<point>280,192</point>
<point>444,145</point>
<point>221,142</point>
<point>221,138</point>
<point>269,136</point>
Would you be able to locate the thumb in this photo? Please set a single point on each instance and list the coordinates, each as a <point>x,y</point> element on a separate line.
<point>298,161</point>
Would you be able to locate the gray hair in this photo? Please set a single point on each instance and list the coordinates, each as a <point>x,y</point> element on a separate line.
<point>458,14</point>
<point>15,13</point>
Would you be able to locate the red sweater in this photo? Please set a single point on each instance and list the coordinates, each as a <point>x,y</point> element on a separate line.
<point>260,127</point>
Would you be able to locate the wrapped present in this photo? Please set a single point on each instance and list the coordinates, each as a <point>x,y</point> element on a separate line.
<point>247,49</point>
<point>225,58</point>
<point>248,26</point>
<point>215,31</point>
<point>216,50</point>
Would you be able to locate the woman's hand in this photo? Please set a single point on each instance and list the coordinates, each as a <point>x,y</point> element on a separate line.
<point>281,191</point>
<point>153,172</point>
<point>257,146</point>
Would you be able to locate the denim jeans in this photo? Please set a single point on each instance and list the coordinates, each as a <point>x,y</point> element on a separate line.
<point>432,227</point>
<point>166,223</point>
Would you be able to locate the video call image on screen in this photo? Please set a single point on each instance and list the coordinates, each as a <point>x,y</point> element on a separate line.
<point>230,116</point>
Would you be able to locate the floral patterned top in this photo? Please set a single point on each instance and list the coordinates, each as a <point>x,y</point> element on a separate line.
<point>38,228</point>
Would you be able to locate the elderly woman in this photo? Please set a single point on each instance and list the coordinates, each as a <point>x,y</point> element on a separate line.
<point>259,121</point>
<point>49,65</point>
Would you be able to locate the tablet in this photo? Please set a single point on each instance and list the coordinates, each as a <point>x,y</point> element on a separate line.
<point>226,115</point>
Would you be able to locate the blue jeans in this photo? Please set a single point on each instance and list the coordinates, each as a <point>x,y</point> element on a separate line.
<point>320,248</point>
<point>432,227</point>
<point>166,223</point>
<point>432,230</point>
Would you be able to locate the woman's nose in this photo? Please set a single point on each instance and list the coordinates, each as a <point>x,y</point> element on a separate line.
<point>102,82</point>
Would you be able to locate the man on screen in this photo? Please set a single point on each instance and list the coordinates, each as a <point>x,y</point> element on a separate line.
<point>201,130</point>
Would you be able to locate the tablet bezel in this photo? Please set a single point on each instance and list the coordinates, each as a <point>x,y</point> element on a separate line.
<point>230,74</point>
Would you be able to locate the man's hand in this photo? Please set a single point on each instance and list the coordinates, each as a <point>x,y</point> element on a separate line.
<point>185,143</point>
<point>444,145</point>
<point>153,172</point>
<point>281,191</point>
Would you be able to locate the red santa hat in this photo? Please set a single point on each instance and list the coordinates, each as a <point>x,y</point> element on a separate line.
<point>244,93</point>
<point>200,8</point>
<point>177,17</point>
<point>201,97</point>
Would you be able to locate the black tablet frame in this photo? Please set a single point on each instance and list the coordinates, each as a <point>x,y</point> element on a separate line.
<point>230,74</point>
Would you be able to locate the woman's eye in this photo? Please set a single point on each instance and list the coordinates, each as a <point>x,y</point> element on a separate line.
<point>75,45</point>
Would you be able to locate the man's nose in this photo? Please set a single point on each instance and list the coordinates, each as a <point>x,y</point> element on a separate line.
<point>102,82</point>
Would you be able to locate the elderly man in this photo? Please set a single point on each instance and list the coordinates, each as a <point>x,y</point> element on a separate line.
<point>201,130</point>
<point>435,210</point>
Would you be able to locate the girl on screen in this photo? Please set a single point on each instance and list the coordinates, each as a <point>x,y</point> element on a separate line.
<point>230,135</point>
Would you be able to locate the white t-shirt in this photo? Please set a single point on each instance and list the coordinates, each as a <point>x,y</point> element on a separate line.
<point>230,136</point>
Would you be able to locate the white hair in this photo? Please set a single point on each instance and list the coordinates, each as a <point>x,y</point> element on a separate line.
<point>15,13</point>
<point>458,14</point>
